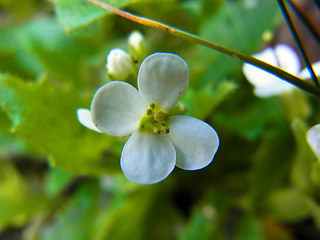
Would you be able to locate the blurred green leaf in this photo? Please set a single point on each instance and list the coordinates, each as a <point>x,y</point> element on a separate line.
<point>56,181</point>
<point>252,117</point>
<point>201,102</point>
<point>271,165</point>
<point>74,14</point>
<point>46,117</point>
<point>315,173</point>
<point>288,204</point>
<point>304,159</point>
<point>74,221</point>
<point>235,26</point>
<point>15,11</point>
<point>206,219</point>
<point>143,212</point>
<point>248,228</point>
<point>41,47</point>
<point>295,105</point>
<point>19,200</point>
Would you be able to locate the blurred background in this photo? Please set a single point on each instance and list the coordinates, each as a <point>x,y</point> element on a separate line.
<point>60,180</point>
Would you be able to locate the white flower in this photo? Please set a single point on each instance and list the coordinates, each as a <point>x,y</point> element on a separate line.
<point>159,141</point>
<point>305,74</point>
<point>119,64</point>
<point>313,138</point>
<point>266,84</point>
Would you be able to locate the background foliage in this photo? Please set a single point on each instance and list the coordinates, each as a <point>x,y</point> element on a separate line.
<point>59,180</point>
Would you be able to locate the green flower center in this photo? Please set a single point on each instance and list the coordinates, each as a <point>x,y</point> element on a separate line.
<point>156,120</point>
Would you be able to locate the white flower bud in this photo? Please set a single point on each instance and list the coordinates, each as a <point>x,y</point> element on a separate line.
<point>137,46</point>
<point>119,64</point>
<point>135,39</point>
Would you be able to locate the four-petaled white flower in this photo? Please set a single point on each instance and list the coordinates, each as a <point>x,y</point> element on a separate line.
<point>313,138</point>
<point>266,84</point>
<point>159,141</point>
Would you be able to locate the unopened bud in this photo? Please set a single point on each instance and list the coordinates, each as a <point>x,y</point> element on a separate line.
<point>137,46</point>
<point>119,64</point>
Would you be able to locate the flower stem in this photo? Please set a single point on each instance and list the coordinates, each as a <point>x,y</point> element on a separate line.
<point>317,3</point>
<point>305,20</point>
<point>300,83</point>
<point>298,41</point>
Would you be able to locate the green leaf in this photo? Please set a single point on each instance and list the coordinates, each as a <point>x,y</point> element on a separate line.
<point>201,102</point>
<point>288,204</point>
<point>75,219</point>
<point>249,120</point>
<point>42,47</point>
<point>208,219</point>
<point>304,159</point>
<point>74,14</point>
<point>18,199</point>
<point>249,228</point>
<point>136,215</point>
<point>272,156</point>
<point>46,117</point>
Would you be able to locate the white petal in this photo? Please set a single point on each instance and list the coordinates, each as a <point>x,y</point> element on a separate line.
<point>116,108</point>
<point>147,158</point>
<point>195,142</point>
<point>84,117</point>
<point>276,89</point>
<point>265,83</point>
<point>288,59</point>
<point>163,78</point>
<point>305,72</point>
<point>313,138</point>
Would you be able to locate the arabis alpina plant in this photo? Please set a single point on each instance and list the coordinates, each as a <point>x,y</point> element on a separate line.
<point>159,141</point>
<point>119,64</point>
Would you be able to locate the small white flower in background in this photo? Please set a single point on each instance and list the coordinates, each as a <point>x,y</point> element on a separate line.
<point>305,74</point>
<point>250,3</point>
<point>313,138</point>
<point>119,64</point>
<point>159,141</point>
<point>266,84</point>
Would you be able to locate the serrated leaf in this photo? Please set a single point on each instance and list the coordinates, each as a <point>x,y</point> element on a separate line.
<point>74,14</point>
<point>46,117</point>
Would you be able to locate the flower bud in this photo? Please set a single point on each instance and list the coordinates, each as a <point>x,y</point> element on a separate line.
<point>137,46</point>
<point>119,65</point>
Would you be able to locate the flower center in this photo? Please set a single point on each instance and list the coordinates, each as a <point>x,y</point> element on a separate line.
<point>155,120</point>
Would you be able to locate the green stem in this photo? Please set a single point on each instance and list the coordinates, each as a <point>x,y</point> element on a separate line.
<point>300,83</point>
<point>298,41</point>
